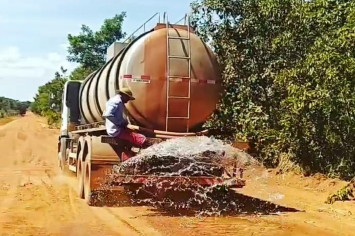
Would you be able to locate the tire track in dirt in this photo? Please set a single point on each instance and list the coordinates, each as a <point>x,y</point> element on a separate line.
<point>63,188</point>
<point>10,197</point>
<point>115,224</point>
<point>133,222</point>
<point>125,222</point>
<point>71,201</point>
<point>35,200</point>
<point>9,200</point>
<point>118,226</point>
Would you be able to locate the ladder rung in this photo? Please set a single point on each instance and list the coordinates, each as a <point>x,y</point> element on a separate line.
<point>180,57</point>
<point>178,80</point>
<point>72,168</point>
<point>178,77</point>
<point>72,155</point>
<point>175,97</point>
<point>182,117</point>
<point>182,38</point>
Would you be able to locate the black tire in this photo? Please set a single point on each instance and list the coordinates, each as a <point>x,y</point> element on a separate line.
<point>63,162</point>
<point>80,176</point>
<point>94,197</point>
<point>91,197</point>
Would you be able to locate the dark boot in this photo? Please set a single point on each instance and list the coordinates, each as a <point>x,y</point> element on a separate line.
<point>150,142</point>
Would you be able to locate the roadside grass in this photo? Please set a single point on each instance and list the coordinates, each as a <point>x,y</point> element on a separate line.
<point>6,120</point>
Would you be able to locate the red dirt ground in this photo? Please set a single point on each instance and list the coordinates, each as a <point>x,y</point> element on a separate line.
<point>36,200</point>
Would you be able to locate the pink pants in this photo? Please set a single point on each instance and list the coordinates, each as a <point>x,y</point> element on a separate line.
<point>135,138</point>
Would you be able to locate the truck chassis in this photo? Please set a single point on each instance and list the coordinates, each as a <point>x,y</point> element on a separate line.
<point>92,155</point>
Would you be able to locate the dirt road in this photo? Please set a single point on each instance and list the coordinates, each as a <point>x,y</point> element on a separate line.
<point>36,200</point>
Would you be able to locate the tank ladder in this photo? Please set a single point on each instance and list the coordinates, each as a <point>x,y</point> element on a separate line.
<point>172,77</point>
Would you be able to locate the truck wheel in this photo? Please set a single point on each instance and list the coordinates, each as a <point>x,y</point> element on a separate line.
<point>87,188</point>
<point>92,198</point>
<point>80,175</point>
<point>63,165</point>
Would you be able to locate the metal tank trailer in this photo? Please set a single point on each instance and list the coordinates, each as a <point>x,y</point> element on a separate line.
<point>175,79</point>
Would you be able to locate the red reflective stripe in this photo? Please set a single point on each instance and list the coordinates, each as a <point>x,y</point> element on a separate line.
<point>181,79</point>
<point>211,81</point>
<point>145,77</point>
<point>201,81</point>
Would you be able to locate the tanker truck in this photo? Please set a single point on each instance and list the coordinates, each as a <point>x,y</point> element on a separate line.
<point>175,79</point>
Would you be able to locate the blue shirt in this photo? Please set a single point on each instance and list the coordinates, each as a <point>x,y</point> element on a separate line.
<point>114,116</point>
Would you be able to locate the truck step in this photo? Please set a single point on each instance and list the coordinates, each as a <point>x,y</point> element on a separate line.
<point>72,168</point>
<point>109,140</point>
<point>72,155</point>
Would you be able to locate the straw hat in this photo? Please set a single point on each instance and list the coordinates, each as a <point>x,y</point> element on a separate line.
<point>127,92</point>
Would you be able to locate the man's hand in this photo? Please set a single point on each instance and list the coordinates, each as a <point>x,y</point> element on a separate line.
<point>132,127</point>
<point>124,124</point>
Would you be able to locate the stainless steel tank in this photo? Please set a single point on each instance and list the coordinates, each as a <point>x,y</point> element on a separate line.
<point>143,67</point>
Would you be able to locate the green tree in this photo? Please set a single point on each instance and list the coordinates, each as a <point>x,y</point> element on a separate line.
<point>288,70</point>
<point>10,107</point>
<point>89,50</point>
<point>89,47</point>
<point>80,73</point>
<point>48,100</point>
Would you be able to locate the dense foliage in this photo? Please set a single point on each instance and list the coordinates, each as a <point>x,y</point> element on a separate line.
<point>9,107</point>
<point>89,50</point>
<point>80,73</point>
<point>48,100</point>
<point>89,47</point>
<point>289,78</point>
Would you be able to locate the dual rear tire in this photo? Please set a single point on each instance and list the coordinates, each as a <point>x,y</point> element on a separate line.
<point>92,175</point>
<point>63,157</point>
<point>83,174</point>
<point>79,175</point>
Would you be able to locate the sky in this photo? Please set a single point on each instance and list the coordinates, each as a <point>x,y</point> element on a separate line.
<point>33,35</point>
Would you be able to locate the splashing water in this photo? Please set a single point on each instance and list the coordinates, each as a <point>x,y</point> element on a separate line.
<point>185,157</point>
<point>189,156</point>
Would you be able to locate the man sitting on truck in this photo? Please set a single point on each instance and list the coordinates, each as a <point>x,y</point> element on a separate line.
<point>116,124</point>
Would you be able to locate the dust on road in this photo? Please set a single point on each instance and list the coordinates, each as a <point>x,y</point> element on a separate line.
<point>36,200</point>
